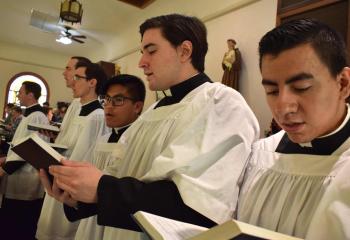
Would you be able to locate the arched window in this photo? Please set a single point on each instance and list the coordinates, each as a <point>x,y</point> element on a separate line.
<point>15,84</point>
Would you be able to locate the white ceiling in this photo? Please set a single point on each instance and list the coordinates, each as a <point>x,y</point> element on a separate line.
<point>103,21</point>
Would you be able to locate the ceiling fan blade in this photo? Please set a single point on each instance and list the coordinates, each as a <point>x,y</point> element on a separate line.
<point>79,36</point>
<point>77,40</point>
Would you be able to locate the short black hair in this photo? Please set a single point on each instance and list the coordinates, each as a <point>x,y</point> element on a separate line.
<point>327,43</point>
<point>10,105</point>
<point>80,59</point>
<point>32,87</point>
<point>176,29</point>
<point>94,71</point>
<point>134,85</point>
<point>46,110</point>
<point>17,109</point>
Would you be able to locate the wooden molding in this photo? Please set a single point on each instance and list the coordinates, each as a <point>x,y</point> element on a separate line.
<point>138,3</point>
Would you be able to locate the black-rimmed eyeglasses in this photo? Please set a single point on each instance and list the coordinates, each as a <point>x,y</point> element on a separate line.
<point>117,100</point>
<point>77,77</point>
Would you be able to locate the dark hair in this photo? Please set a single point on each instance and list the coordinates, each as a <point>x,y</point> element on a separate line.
<point>81,60</point>
<point>32,87</point>
<point>10,105</point>
<point>134,85</point>
<point>94,71</point>
<point>178,28</point>
<point>232,40</point>
<point>327,43</point>
<point>46,110</point>
<point>46,104</point>
<point>17,109</point>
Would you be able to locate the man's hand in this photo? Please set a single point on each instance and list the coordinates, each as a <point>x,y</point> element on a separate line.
<point>49,134</point>
<point>2,161</point>
<point>54,191</point>
<point>79,179</point>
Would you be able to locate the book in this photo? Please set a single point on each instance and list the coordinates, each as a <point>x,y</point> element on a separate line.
<point>47,127</point>
<point>37,152</point>
<point>57,124</point>
<point>161,228</point>
<point>58,147</point>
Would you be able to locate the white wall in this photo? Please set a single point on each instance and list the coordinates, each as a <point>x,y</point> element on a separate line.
<point>14,59</point>
<point>246,25</point>
<point>244,20</point>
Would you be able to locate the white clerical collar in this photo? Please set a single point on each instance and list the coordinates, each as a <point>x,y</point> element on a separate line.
<point>117,128</point>
<point>32,105</point>
<point>88,102</point>
<point>346,119</point>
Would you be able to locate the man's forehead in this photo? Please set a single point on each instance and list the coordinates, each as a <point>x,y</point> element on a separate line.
<point>151,36</point>
<point>116,89</point>
<point>80,70</point>
<point>71,63</point>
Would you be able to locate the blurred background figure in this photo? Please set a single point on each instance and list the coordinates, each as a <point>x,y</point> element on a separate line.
<point>8,114</point>
<point>46,104</point>
<point>231,63</point>
<point>60,112</point>
<point>48,112</point>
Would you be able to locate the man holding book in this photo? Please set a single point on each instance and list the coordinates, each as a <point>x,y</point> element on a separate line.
<point>123,98</point>
<point>21,191</point>
<point>173,153</point>
<point>84,129</point>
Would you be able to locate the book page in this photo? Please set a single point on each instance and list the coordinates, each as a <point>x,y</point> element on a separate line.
<point>38,127</point>
<point>172,229</point>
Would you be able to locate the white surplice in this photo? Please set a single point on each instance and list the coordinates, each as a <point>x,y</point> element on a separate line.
<point>281,191</point>
<point>53,223</point>
<point>332,217</point>
<point>24,183</point>
<point>103,155</point>
<point>68,135</point>
<point>201,143</point>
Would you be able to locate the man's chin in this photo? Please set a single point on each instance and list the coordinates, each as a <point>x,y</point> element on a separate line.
<point>299,138</point>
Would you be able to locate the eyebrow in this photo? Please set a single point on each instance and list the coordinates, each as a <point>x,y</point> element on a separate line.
<point>77,75</point>
<point>147,46</point>
<point>298,77</point>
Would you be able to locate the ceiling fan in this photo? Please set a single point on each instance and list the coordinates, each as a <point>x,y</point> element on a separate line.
<point>75,37</point>
<point>50,23</point>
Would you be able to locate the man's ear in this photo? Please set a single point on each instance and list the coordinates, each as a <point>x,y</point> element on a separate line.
<point>31,95</point>
<point>186,49</point>
<point>93,82</point>
<point>138,106</point>
<point>344,82</point>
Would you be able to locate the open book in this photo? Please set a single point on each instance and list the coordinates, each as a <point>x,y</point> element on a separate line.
<point>160,228</point>
<point>47,127</point>
<point>37,152</point>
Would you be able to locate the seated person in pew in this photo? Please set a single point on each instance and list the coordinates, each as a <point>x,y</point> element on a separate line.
<point>306,78</point>
<point>183,156</point>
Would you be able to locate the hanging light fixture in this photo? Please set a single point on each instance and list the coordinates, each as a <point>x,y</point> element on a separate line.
<point>71,11</point>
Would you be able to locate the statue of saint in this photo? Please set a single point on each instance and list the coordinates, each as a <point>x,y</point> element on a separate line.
<point>231,64</point>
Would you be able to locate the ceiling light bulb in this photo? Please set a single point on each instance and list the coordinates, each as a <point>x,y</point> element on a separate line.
<point>64,40</point>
